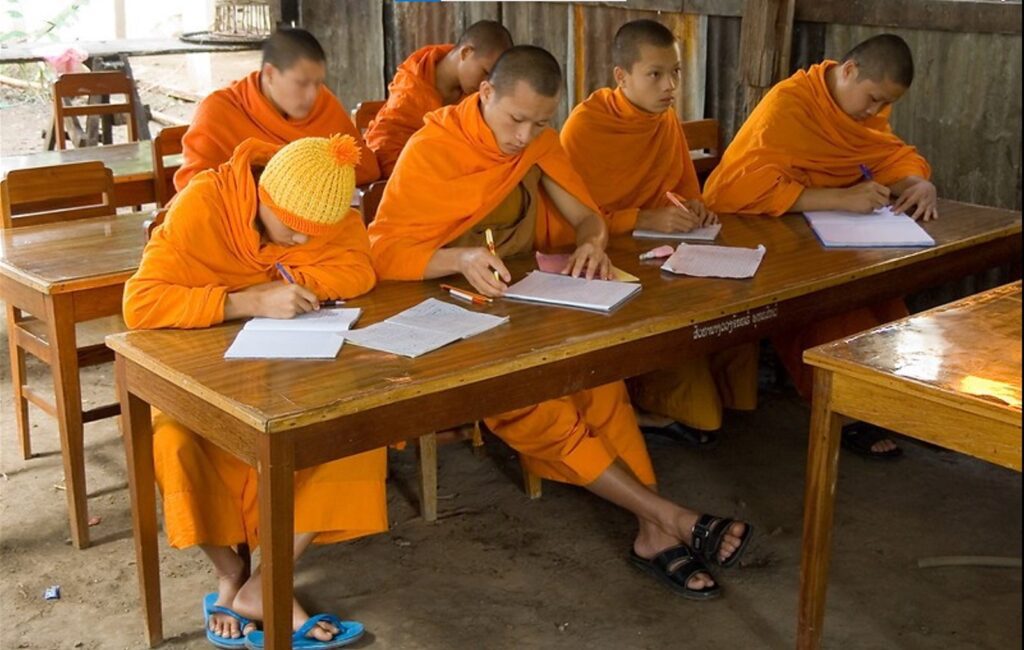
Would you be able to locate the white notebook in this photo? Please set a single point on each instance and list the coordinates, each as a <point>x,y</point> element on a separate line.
<point>567,291</point>
<point>428,326</point>
<point>313,335</point>
<point>707,233</point>
<point>883,228</point>
<point>715,261</point>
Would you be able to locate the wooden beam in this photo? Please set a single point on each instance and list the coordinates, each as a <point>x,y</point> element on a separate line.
<point>765,37</point>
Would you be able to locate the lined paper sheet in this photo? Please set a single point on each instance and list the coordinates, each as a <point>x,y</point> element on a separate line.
<point>707,233</point>
<point>881,229</point>
<point>715,261</point>
<point>430,325</point>
<point>323,320</point>
<point>567,291</point>
<point>256,344</point>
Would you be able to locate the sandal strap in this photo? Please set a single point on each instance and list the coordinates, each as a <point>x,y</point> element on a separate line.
<point>708,533</point>
<point>242,621</point>
<point>314,620</point>
<point>686,564</point>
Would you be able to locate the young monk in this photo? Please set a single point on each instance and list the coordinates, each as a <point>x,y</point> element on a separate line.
<point>215,259</point>
<point>284,100</point>
<point>802,149</point>
<point>628,146</point>
<point>432,77</point>
<point>493,161</point>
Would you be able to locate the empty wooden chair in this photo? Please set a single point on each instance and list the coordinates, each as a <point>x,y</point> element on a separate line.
<point>92,85</point>
<point>166,143</point>
<point>704,138</point>
<point>369,200</point>
<point>364,112</point>
<point>80,191</point>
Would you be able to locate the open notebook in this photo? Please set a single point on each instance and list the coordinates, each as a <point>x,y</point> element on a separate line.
<point>883,228</point>
<point>707,233</point>
<point>567,291</point>
<point>428,326</point>
<point>313,335</point>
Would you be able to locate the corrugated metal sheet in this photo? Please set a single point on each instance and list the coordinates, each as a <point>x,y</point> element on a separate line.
<point>351,33</point>
<point>545,25</point>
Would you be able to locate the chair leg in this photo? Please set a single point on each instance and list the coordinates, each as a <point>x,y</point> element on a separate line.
<point>18,382</point>
<point>426,450</point>
<point>477,439</point>
<point>531,482</point>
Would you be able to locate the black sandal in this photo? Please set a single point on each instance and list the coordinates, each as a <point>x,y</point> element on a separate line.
<point>859,437</point>
<point>684,435</point>
<point>708,533</point>
<point>686,564</point>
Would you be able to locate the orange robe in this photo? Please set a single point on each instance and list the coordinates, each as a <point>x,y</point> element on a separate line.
<point>796,138</point>
<point>230,115</point>
<point>451,176</point>
<point>206,248</point>
<point>629,159</point>
<point>411,95</point>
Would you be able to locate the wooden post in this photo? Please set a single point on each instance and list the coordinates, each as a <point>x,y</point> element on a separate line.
<point>766,38</point>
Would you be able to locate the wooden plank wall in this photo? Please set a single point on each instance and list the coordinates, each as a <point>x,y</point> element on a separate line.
<point>963,111</point>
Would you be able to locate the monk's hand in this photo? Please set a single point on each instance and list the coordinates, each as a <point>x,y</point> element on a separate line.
<point>478,266</point>
<point>706,216</point>
<point>668,219</point>
<point>279,300</point>
<point>589,260</point>
<point>865,197</point>
<point>922,197</point>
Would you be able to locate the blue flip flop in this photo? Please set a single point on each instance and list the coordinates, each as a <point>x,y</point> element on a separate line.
<point>211,607</point>
<point>348,632</point>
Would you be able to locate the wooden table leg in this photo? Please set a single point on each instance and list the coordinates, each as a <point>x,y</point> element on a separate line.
<point>137,433</point>
<point>426,452</point>
<point>60,323</point>
<point>819,505</point>
<point>276,467</point>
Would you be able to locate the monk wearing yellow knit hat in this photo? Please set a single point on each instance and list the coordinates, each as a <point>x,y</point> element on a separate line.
<point>216,258</point>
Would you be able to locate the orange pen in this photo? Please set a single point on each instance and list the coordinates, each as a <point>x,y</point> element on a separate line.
<point>466,294</point>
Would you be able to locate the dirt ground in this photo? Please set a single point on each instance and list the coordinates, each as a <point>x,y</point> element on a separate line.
<point>500,571</point>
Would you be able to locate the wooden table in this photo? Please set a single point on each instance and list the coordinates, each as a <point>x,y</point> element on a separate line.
<point>67,273</point>
<point>131,164</point>
<point>282,416</point>
<point>950,376</point>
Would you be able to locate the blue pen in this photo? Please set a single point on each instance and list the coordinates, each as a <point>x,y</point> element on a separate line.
<point>867,172</point>
<point>284,273</point>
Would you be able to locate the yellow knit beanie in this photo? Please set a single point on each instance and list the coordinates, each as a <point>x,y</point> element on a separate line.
<point>308,183</point>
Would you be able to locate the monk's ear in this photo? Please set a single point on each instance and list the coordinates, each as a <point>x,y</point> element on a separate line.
<point>849,70</point>
<point>486,91</point>
<point>466,52</point>
<point>620,76</point>
<point>269,71</point>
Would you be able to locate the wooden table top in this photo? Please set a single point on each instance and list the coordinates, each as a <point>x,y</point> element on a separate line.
<point>125,46</point>
<point>273,395</point>
<point>968,351</point>
<point>132,161</point>
<point>74,255</point>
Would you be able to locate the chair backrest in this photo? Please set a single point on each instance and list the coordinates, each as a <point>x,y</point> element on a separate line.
<point>166,143</point>
<point>39,195</point>
<point>151,224</point>
<point>364,113</point>
<point>704,138</point>
<point>93,84</point>
<point>370,200</point>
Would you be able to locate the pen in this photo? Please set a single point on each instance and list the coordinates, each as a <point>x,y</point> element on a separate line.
<point>284,273</point>
<point>332,303</point>
<point>676,202</point>
<point>465,294</point>
<point>866,172</point>
<point>490,246</point>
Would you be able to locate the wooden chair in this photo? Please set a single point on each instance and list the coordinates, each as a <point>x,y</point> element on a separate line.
<point>92,85</point>
<point>166,143</point>
<point>364,112</point>
<point>704,138</point>
<point>80,191</point>
<point>151,224</point>
<point>369,200</point>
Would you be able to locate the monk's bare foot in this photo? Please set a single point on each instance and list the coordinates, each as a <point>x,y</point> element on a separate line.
<point>229,582</point>
<point>651,540</point>
<point>249,603</point>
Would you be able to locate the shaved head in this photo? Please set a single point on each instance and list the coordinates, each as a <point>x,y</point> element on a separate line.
<point>487,37</point>
<point>531,64</point>
<point>631,36</point>
<point>883,57</point>
<point>286,46</point>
